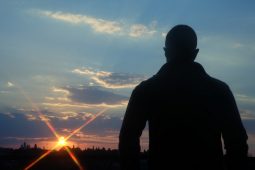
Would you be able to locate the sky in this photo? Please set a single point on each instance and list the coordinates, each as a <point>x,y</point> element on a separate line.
<point>64,61</point>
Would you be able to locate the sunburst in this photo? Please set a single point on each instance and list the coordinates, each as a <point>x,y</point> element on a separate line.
<point>61,140</point>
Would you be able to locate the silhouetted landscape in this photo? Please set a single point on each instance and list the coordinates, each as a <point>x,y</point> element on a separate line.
<point>90,159</point>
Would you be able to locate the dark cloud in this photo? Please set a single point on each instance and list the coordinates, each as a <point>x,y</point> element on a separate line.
<point>249,125</point>
<point>95,95</point>
<point>100,125</point>
<point>20,126</point>
<point>112,80</point>
<point>121,80</point>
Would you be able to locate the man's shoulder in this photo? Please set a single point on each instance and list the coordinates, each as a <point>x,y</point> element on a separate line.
<point>218,84</point>
<point>146,85</point>
<point>155,81</point>
<point>152,81</point>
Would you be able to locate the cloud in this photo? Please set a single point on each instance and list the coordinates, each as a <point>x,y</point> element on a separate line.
<point>245,99</point>
<point>107,140</point>
<point>139,30</point>
<point>101,25</point>
<point>16,141</point>
<point>61,90</point>
<point>9,114</point>
<point>19,125</point>
<point>95,95</point>
<point>22,139</point>
<point>79,106</point>
<point>31,116</point>
<point>10,84</point>
<point>7,86</point>
<point>90,98</point>
<point>163,34</point>
<point>102,131</point>
<point>237,45</point>
<point>247,115</point>
<point>97,24</point>
<point>110,79</point>
<point>4,92</point>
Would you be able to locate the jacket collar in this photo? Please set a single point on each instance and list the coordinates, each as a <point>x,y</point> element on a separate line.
<point>182,68</point>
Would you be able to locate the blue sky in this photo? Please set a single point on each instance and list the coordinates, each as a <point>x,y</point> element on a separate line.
<point>71,59</point>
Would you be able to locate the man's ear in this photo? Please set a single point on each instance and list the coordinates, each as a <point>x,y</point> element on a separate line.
<point>195,54</point>
<point>167,54</point>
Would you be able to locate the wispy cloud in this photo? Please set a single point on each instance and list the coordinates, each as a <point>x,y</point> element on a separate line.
<point>245,99</point>
<point>78,106</point>
<point>28,138</point>
<point>9,114</point>
<point>97,24</point>
<point>139,30</point>
<point>10,84</point>
<point>31,116</point>
<point>61,90</point>
<point>95,95</point>
<point>247,115</point>
<point>110,79</point>
<point>163,34</point>
<point>73,99</point>
<point>4,92</point>
<point>107,138</point>
<point>103,131</point>
<point>237,45</point>
<point>102,25</point>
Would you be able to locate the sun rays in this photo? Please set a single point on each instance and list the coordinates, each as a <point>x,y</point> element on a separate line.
<point>61,140</point>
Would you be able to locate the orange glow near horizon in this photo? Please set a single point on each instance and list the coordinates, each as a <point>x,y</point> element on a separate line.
<point>61,141</point>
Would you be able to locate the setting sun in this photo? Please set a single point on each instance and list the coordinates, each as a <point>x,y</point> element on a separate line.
<point>61,141</point>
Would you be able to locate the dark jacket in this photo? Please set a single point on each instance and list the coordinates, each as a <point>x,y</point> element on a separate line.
<point>188,113</point>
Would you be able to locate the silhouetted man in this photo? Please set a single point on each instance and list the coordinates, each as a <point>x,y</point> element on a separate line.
<point>187,112</point>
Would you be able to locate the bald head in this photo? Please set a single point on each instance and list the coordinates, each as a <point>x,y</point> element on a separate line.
<point>181,43</point>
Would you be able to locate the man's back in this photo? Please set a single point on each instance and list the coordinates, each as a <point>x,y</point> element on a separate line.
<point>188,112</point>
<point>186,116</point>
